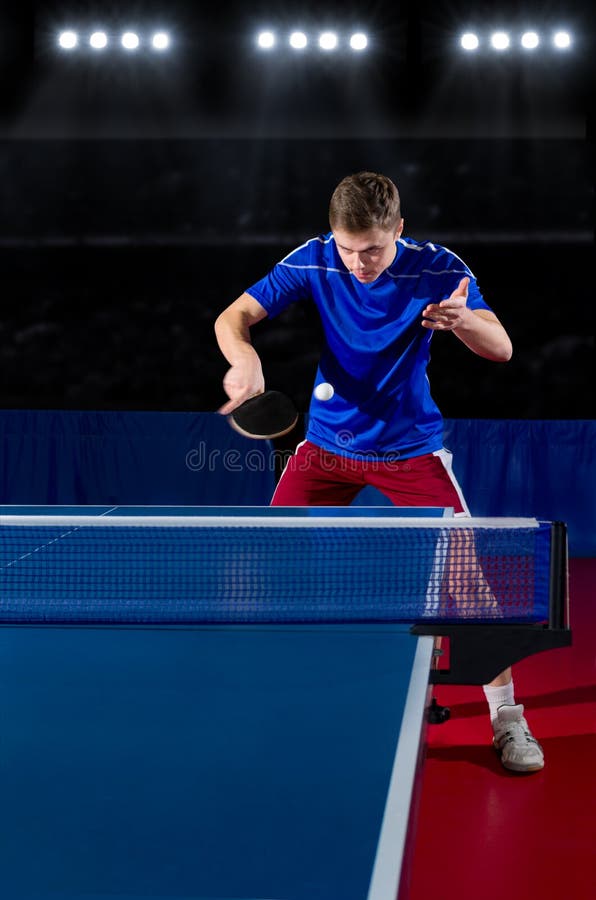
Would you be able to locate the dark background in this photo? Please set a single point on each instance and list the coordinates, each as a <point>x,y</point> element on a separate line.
<point>139,196</point>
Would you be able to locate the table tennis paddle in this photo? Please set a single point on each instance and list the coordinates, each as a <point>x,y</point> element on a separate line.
<point>266,416</point>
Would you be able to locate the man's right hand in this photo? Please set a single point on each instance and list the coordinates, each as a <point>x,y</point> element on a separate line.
<point>241,382</point>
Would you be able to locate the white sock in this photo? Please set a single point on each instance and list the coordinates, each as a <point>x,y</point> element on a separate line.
<point>498,696</point>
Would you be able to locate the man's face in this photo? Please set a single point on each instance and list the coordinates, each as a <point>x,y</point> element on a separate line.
<point>367,253</point>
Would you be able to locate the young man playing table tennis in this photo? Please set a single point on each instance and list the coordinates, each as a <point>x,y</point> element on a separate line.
<point>380,297</point>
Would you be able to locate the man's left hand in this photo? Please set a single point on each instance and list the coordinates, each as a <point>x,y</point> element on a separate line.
<point>450,313</point>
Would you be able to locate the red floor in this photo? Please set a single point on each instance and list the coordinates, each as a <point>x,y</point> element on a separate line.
<point>487,834</point>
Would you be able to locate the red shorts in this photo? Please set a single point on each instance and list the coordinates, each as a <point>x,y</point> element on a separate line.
<point>316,477</point>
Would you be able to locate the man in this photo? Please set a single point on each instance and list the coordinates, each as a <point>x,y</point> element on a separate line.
<point>380,297</point>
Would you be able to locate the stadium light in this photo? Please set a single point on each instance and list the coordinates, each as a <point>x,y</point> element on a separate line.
<point>130,40</point>
<point>359,41</point>
<point>328,40</point>
<point>98,40</point>
<point>562,40</point>
<point>469,41</point>
<point>298,40</point>
<point>500,40</point>
<point>160,40</point>
<point>266,40</point>
<point>68,40</point>
<point>529,40</point>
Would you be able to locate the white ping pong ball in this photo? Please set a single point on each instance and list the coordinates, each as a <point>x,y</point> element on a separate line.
<point>324,391</point>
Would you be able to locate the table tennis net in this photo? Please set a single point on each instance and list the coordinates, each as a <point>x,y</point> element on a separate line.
<point>257,572</point>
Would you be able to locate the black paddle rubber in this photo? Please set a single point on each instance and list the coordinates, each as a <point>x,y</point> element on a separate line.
<point>268,415</point>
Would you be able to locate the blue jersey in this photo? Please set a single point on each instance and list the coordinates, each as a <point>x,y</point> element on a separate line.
<point>376,351</point>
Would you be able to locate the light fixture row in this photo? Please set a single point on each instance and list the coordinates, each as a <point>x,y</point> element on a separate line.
<point>100,40</point>
<point>299,40</point>
<point>265,40</point>
<point>502,40</point>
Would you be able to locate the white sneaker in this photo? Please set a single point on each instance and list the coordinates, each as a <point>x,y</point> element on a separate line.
<point>520,751</point>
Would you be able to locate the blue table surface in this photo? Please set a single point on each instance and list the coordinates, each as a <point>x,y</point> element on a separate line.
<point>241,511</point>
<point>206,762</point>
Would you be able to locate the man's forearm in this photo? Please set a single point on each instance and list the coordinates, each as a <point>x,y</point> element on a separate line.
<point>232,330</point>
<point>485,336</point>
<point>244,378</point>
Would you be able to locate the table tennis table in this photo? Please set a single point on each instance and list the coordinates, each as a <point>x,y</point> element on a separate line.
<point>242,761</point>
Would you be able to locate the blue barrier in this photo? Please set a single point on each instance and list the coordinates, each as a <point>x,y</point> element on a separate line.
<point>130,458</point>
<point>519,467</point>
<point>505,467</point>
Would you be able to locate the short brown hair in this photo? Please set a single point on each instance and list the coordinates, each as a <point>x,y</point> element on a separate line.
<point>365,200</point>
